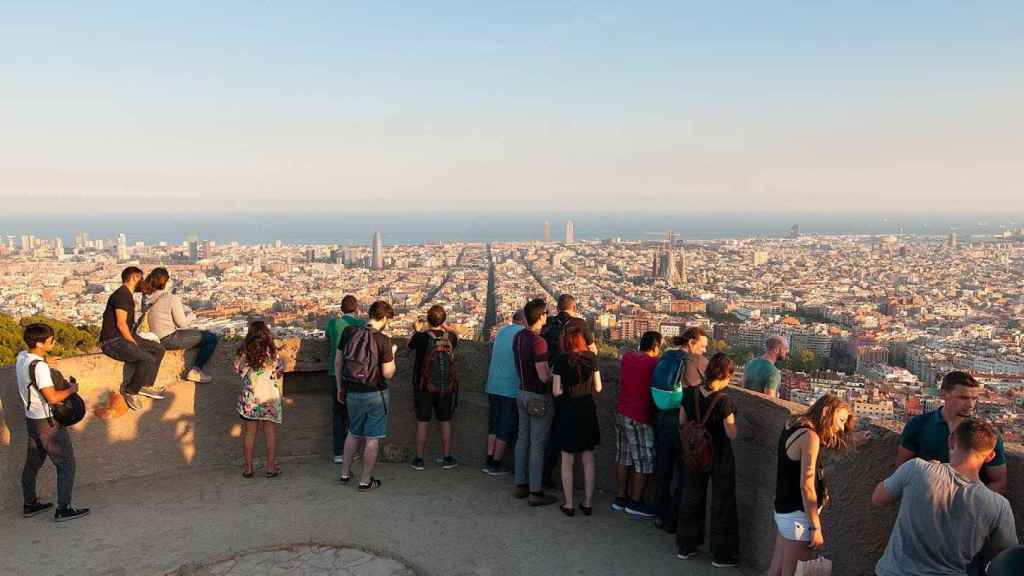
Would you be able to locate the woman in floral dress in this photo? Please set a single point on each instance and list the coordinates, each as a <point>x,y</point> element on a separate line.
<point>259,403</point>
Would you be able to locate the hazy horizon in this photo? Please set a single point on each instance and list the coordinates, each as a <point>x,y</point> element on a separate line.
<point>459,106</point>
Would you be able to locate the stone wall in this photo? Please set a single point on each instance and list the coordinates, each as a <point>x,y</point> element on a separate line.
<point>197,426</point>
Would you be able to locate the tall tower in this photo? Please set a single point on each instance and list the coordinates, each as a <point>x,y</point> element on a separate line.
<point>670,257</point>
<point>378,251</point>
<point>58,247</point>
<point>547,231</point>
<point>122,248</point>
<point>683,278</point>
<point>570,235</point>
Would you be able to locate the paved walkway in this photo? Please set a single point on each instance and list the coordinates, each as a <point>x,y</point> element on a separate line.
<point>213,522</point>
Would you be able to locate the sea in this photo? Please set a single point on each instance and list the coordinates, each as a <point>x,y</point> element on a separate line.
<point>421,228</point>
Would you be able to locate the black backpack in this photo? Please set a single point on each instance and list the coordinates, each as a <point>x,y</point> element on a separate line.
<point>437,375</point>
<point>70,411</point>
<point>552,334</point>
<point>360,363</point>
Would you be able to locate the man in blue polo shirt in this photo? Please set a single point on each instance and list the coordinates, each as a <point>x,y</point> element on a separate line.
<point>927,436</point>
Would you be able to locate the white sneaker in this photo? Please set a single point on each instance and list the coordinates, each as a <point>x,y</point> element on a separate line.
<point>197,375</point>
<point>339,459</point>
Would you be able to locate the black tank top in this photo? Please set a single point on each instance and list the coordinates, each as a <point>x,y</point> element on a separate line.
<point>788,495</point>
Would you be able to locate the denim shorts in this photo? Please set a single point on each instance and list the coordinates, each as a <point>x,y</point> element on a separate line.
<point>502,417</point>
<point>368,414</point>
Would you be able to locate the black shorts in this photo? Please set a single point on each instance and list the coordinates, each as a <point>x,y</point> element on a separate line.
<point>426,402</point>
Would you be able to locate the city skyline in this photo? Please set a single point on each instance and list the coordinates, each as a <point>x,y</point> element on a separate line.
<point>270,108</point>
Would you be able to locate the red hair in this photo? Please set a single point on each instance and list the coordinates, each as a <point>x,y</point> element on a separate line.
<point>573,341</point>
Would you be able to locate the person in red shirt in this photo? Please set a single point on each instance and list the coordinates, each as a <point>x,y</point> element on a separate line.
<point>634,435</point>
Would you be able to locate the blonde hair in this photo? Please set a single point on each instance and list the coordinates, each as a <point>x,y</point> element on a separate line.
<point>821,416</point>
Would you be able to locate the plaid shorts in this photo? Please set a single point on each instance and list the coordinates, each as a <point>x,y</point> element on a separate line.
<point>634,444</point>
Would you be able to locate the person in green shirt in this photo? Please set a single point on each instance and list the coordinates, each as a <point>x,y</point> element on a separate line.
<point>760,374</point>
<point>335,326</point>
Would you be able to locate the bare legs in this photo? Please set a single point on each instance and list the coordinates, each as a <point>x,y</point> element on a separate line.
<point>568,462</point>
<point>370,452</point>
<point>446,439</point>
<point>249,443</point>
<point>787,554</point>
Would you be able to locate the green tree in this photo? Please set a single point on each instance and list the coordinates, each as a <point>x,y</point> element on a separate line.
<point>70,340</point>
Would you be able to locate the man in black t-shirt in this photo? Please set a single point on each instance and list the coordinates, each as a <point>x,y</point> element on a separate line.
<point>422,343</point>
<point>119,341</point>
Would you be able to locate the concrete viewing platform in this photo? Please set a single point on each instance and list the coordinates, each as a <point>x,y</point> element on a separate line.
<point>167,494</point>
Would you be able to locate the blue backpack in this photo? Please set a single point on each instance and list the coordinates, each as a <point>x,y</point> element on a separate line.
<point>666,382</point>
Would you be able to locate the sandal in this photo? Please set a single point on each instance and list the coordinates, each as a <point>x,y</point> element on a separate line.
<point>373,484</point>
<point>587,510</point>
<point>274,473</point>
<point>247,474</point>
<point>345,479</point>
<point>570,512</point>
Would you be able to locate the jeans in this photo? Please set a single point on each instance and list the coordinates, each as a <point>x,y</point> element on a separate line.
<point>53,441</point>
<point>144,355</point>
<point>724,516</point>
<point>339,417</point>
<point>669,471</point>
<point>552,455</point>
<point>533,439</point>
<point>188,339</point>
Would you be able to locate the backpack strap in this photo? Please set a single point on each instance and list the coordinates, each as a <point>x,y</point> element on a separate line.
<point>145,310</point>
<point>28,394</point>
<point>711,408</point>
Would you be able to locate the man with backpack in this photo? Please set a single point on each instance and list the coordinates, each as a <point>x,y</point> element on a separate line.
<point>634,435</point>
<point>335,327</point>
<point>434,383</point>
<point>679,367</point>
<point>46,437</point>
<point>367,363</point>
<point>554,327</point>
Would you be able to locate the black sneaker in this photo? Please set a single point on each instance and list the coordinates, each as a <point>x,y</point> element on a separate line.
<point>417,464</point>
<point>448,462</point>
<point>30,510</point>
<point>640,509</point>
<point>726,563</point>
<point>495,469</point>
<point>619,504</point>
<point>69,513</point>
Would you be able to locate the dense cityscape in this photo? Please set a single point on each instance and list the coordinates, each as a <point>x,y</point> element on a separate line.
<point>877,319</point>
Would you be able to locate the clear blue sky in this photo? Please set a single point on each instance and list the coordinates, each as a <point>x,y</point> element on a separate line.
<point>336,105</point>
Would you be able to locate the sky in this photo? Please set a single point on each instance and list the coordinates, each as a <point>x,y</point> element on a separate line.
<point>302,107</point>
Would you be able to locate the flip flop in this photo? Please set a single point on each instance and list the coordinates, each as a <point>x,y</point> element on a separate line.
<point>247,474</point>
<point>273,473</point>
<point>372,485</point>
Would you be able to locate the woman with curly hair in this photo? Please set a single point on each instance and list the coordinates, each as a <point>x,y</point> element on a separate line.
<point>800,492</point>
<point>259,403</point>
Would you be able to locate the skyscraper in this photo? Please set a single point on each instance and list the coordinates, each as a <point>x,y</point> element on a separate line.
<point>122,248</point>
<point>58,247</point>
<point>669,269</point>
<point>378,251</point>
<point>570,235</point>
<point>547,231</point>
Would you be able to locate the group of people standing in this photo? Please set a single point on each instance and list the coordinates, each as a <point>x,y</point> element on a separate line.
<point>675,424</point>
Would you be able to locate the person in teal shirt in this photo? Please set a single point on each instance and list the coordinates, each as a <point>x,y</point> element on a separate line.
<point>335,326</point>
<point>760,374</point>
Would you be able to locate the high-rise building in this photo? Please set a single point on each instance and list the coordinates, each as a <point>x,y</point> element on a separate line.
<point>122,248</point>
<point>794,232</point>
<point>378,251</point>
<point>58,247</point>
<point>683,278</point>
<point>547,231</point>
<point>570,234</point>
<point>951,241</point>
<point>28,243</point>
<point>192,248</point>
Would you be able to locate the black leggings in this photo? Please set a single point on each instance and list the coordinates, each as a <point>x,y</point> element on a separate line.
<point>724,519</point>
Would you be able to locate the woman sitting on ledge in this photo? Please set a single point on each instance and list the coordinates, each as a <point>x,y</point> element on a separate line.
<point>800,492</point>
<point>166,317</point>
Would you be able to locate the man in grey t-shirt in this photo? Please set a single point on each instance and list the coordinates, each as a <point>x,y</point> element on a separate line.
<point>946,513</point>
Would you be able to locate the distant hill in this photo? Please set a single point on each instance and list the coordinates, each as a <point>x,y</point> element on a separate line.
<point>70,339</point>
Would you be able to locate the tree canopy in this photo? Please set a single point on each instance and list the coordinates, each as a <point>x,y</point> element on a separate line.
<point>70,339</point>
